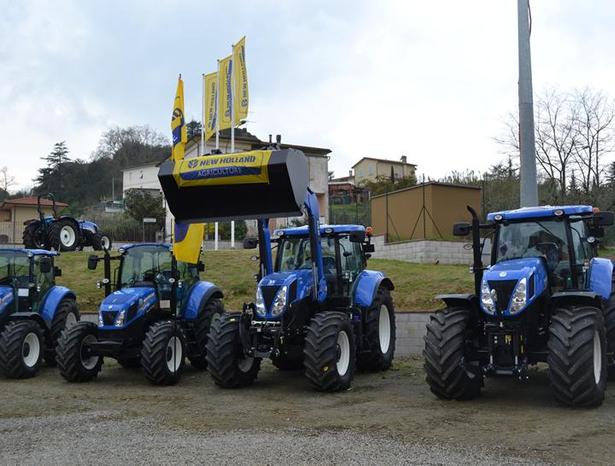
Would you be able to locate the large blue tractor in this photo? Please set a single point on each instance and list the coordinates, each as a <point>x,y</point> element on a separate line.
<point>159,314</point>
<point>316,307</point>
<point>546,297</point>
<point>33,310</point>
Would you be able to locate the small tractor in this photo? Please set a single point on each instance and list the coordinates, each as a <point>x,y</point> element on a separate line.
<point>62,233</point>
<point>33,311</point>
<point>545,298</point>
<point>159,313</point>
<point>317,307</point>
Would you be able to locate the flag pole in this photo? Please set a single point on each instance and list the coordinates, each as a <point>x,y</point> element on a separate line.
<point>203,123</point>
<point>232,99</point>
<point>218,107</point>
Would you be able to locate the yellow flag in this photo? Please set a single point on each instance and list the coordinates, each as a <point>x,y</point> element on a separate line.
<point>225,68</point>
<point>210,82</point>
<point>178,125</point>
<point>240,96</point>
<point>187,239</point>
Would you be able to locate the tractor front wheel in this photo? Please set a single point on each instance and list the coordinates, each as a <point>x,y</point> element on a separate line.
<point>21,349</point>
<point>67,315</point>
<point>609,321</point>
<point>330,352</point>
<point>226,361</point>
<point>163,352</point>
<point>33,236</point>
<point>73,356</point>
<point>379,334</point>
<point>64,235</point>
<point>577,356</point>
<point>448,375</point>
<point>212,308</point>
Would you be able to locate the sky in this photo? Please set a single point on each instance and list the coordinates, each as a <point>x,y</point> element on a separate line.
<point>430,80</point>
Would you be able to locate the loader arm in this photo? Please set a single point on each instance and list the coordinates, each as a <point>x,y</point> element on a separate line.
<point>319,292</point>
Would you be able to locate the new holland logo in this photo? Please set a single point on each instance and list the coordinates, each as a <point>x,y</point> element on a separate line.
<point>192,163</point>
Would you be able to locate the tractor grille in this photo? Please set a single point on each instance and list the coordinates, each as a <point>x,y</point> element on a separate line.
<point>503,290</point>
<point>268,294</point>
<point>109,317</point>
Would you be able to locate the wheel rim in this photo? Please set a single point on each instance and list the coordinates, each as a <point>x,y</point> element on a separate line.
<point>88,361</point>
<point>104,241</point>
<point>67,236</point>
<point>343,349</point>
<point>597,358</point>
<point>71,319</point>
<point>174,353</point>
<point>384,329</point>
<point>31,349</point>
<point>245,364</point>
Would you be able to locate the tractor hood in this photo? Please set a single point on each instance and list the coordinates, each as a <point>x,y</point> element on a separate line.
<point>6,298</point>
<point>283,288</point>
<point>129,300</point>
<point>509,287</point>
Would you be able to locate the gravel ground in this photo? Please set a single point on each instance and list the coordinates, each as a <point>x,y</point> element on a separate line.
<point>387,418</point>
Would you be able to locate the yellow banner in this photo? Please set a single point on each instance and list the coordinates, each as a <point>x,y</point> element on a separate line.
<point>210,83</point>
<point>178,124</point>
<point>187,240</point>
<point>225,68</point>
<point>240,96</point>
<point>226,169</point>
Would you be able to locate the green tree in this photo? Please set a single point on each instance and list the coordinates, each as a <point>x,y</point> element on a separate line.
<point>51,177</point>
<point>193,129</point>
<point>142,204</point>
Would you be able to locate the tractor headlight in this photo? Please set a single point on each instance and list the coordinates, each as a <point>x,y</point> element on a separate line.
<point>101,322</point>
<point>486,298</point>
<point>519,298</point>
<point>260,303</point>
<point>120,318</point>
<point>279,303</point>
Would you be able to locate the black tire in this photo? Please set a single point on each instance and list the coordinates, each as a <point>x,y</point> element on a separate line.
<point>448,375</point>
<point>226,361</point>
<point>212,308</point>
<point>285,363</point>
<point>33,236</point>
<point>74,362</point>
<point>21,349</point>
<point>159,359</point>
<point>609,321</point>
<point>378,352</point>
<point>64,235</point>
<point>100,241</point>
<point>67,313</point>
<point>324,355</point>
<point>573,335</point>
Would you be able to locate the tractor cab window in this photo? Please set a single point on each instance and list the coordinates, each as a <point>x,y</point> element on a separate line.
<point>43,281</point>
<point>295,254</point>
<point>583,250</point>
<point>544,238</point>
<point>14,268</point>
<point>188,273</point>
<point>351,258</point>
<point>146,264</point>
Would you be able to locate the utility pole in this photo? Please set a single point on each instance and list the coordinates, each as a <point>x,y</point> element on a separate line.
<point>527,144</point>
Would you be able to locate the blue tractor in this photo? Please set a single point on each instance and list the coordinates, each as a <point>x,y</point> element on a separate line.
<point>62,232</point>
<point>159,314</point>
<point>316,307</point>
<point>34,311</point>
<point>545,298</point>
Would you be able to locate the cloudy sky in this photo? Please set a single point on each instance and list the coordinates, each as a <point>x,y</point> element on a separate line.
<point>431,80</point>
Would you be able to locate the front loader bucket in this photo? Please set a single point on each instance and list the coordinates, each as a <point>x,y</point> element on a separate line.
<point>255,184</point>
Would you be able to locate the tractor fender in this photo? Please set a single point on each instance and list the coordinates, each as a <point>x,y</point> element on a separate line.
<point>366,286</point>
<point>51,301</point>
<point>588,298</point>
<point>29,316</point>
<point>601,276</point>
<point>200,293</point>
<point>86,225</point>
<point>464,300</point>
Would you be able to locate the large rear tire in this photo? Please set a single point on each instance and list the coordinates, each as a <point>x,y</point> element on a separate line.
<point>379,334</point>
<point>227,363</point>
<point>67,315</point>
<point>64,235</point>
<point>21,349</point>
<point>577,356</point>
<point>448,375</point>
<point>212,308</point>
<point>330,352</point>
<point>163,353</point>
<point>74,360</point>
<point>609,321</point>
<point>33,236</point>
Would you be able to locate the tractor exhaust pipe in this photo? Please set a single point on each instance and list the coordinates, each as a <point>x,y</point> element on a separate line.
<point>477,263</point>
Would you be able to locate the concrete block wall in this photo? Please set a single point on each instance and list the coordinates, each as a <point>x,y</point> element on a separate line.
<point>423,251</point>
<point>410,330</point>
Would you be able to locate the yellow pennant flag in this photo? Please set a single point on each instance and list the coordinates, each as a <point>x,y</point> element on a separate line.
<point>210,82</point>
<point>178,125</point>
<point>187,240</point>
<point>225,68</point>
<point>240,96</point>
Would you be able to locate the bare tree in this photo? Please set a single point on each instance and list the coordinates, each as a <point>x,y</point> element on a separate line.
<point>6,180</point>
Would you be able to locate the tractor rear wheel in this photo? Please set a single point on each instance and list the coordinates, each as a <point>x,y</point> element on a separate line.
<point>64,235</point>
<point>212,308</point>
<point>67,315</point>
<point>75,362</point>
<point>609,321</point>
<point>226,361</point>
<point>577,356</point>
<point>163,353</point>
<point>21,349</point>
<point>379,334</point>
<point>448,375</point>
<point>33,236</point>
<point>330,352</point>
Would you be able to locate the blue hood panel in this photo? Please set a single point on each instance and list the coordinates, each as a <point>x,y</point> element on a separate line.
<point>6,297</point>
<point>513,269</point>
<point>126,297</point>
<point>299,282</point>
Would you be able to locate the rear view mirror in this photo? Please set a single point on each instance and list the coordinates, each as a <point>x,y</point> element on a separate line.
<point>603,219</point>
<point>462,229</point>
<point>250,242</point>
<point>357,236</point>
<point>45,264</point>
<point>57,272</point>
<point>200,266</point>
<point>368,247</point>
<point>92,262</point>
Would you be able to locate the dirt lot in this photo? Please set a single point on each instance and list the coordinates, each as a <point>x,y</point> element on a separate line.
<point>387,418</point>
